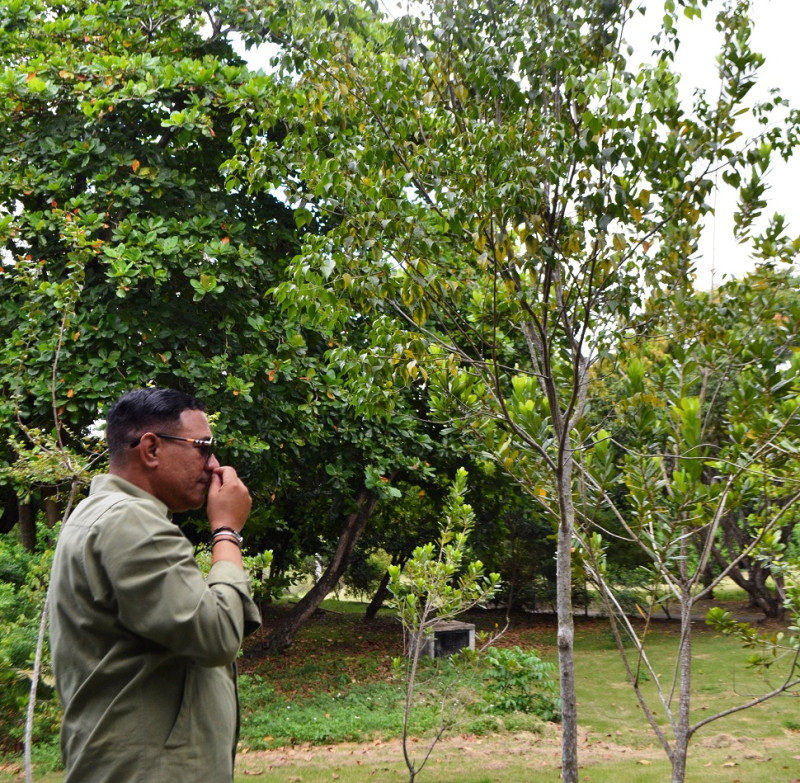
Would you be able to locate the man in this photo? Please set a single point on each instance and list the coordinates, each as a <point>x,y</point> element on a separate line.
<point>143,647</point>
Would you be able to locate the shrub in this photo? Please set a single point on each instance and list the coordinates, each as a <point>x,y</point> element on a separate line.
<point>517,680</point>
<point>23,587</point>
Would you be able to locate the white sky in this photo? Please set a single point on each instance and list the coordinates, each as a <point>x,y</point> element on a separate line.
<point>774,36</point>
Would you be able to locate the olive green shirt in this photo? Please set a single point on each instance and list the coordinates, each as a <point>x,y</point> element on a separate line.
<point>143,647</point>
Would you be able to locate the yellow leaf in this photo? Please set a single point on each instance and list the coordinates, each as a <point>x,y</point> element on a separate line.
<point>135,166</point>
<point>574,243</point>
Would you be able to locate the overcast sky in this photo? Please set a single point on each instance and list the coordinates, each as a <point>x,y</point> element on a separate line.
<point>777,23</point>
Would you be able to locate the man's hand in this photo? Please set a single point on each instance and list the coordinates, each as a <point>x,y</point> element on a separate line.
<point>228,501</point>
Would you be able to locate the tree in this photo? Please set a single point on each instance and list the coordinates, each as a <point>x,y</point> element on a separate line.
<point>508,189</point>
<point>725,361</point>
<point>709,476</point>
<point>436,585</point>
<point>127,259</point>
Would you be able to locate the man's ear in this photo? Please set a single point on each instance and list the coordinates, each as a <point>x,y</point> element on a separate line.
<point>149,447</point>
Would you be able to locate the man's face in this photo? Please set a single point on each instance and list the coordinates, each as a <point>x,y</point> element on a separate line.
<point>184,473</point>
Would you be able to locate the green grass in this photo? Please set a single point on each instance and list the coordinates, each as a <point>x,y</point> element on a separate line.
<point>329,708</point>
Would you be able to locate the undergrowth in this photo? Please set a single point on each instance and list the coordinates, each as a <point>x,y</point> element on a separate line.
<point>317,700</point>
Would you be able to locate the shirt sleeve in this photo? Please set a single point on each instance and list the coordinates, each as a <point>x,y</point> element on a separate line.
<point>160,593</point>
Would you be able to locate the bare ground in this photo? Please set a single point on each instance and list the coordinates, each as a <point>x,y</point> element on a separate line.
<point>493,752</point>
<point>486,752</point>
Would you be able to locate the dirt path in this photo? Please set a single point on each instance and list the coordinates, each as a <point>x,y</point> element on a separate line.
<point>488,752</point>
<point>496,752</point>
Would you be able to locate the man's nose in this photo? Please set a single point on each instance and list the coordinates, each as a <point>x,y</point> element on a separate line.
<point>212,463</point>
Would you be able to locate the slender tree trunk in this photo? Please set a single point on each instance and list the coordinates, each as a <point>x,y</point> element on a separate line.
<point>52,512</point>
<point>380,596</point>
<point>282,635</point>
<point>513,578</point>
<point>27,526</point>
<point>680,750</point>
<point>566,632</point>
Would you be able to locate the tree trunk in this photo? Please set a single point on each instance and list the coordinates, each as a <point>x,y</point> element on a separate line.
<point>380,596</point>
<point>566,633</point>
<point>762,595</point>
<point>27,526</point>
<point>680,751</point>
<point>282,635</point>
<point>52,511</point>
<point>750,575</point>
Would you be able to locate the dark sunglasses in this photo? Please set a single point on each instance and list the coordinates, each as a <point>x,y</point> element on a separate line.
<point>203,445</point>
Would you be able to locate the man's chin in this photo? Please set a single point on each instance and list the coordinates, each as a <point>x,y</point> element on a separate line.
<point>190,504</point>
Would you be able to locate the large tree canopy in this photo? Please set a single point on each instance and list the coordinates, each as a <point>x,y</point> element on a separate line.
<point>128,259</point>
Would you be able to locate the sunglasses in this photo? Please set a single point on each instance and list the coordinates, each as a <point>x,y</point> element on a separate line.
<point>203,445</point>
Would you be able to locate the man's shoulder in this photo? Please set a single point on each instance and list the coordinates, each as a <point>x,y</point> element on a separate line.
<point>110,495</point>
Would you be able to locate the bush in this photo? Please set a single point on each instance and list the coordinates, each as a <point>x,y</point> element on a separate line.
<point>517,680</point>
<point>23,587</point>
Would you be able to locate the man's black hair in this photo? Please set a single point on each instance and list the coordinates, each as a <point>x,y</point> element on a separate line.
<point>142,410</point>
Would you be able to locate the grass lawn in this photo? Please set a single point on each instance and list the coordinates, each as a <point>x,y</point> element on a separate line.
<point>329,708</point>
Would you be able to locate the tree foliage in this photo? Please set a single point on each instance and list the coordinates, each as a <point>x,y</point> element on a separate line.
<point>129,259</point>
<point>704,462</point>
<point>125,259</point>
